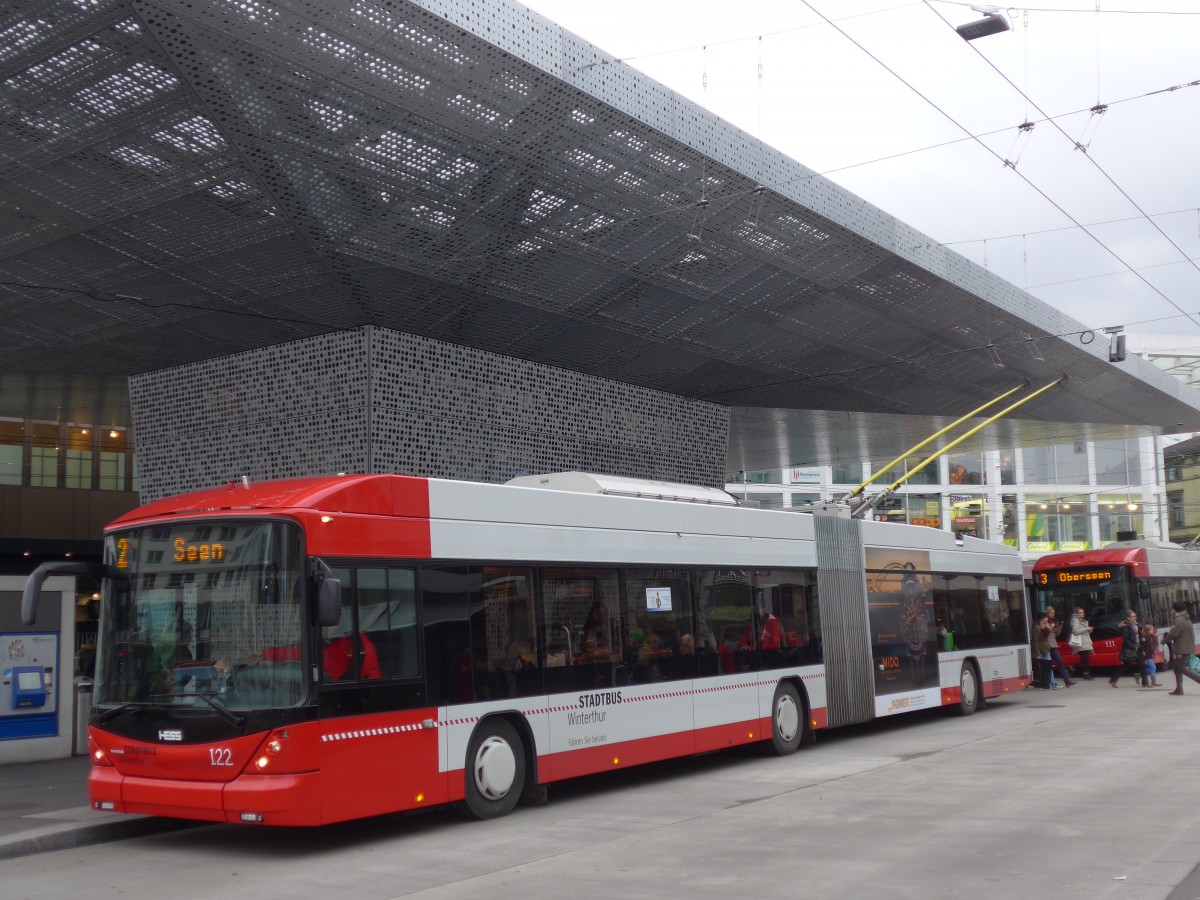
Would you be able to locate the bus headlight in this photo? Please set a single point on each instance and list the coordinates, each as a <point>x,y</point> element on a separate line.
<point>99,757</point>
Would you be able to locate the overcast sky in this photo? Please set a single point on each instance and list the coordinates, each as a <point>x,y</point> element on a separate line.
<point>824,101</point>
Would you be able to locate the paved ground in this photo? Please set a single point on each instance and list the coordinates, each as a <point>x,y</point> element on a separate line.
<point>44,806</point>
<point>1081,793</point>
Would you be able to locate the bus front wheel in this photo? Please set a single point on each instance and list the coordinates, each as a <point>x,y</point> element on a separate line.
<point>787,719</point>
<point>495,770</point>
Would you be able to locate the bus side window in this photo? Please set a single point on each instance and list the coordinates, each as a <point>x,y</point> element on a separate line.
<point>387,619</point>
<point>503,633</point>
<point>658,618</point>
<point>446,633</point>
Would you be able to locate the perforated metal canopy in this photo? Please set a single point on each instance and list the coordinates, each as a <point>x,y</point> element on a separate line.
<point>184,179</point>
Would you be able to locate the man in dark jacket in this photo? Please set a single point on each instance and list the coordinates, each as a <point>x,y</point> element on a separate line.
<point>1129,646</point>
<point>1182,644</point>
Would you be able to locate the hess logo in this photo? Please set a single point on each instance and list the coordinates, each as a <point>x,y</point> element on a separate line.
<point>170,734</point>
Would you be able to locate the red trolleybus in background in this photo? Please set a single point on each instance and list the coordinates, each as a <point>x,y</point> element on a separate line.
<point>1145,576</point>
<point>320,649</point>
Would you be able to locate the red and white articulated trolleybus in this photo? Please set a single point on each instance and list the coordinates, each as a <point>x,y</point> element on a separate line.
<point>1145,576</point>
<point>319,649</point>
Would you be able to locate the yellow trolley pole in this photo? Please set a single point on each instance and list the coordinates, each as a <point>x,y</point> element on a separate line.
<point>861,509</point>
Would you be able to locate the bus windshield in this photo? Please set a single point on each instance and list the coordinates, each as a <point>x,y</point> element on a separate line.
<point>1102,592</point>
<point>191,609</point>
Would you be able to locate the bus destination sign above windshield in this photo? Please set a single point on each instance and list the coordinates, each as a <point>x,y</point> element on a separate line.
<point>1074,576</point>
<point>181,552</point>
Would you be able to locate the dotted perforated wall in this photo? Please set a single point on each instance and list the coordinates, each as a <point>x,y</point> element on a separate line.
<point>381,401</point>
<point>290,409</point>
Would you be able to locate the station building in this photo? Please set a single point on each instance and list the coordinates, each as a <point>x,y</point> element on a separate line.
<point>1040,499</point>
<point>450,238</point>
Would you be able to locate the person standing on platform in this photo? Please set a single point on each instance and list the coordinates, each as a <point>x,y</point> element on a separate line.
<point>1147,649</point>
<point>1129,648</point>
<point>1042,639</point>
<point>1080,640</point>
<point>1182,643</point>
<point>1056,659</point>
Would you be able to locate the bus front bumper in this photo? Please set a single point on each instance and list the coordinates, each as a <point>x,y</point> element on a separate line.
<point>249,799</point>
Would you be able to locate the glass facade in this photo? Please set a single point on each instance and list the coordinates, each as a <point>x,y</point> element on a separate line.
<point>969,515</point>
<point>1057,523</point>
<point>921,509</point>
<point>773,476</point>
<point>848,474</point>
<point>66,455</point>
<point>908,472</point>
<point>974,515</point>
<point>1040,499</point>
<point>1118,462</point>
<point>1008,466</point>
<point>114,453</point>
<point>12,450</point>
<point>965,468</point>
<point>1008,521</point>
<point>43,459</point>
<point>1037,464</point>
<point>78,457</point>
<point>1056,464</point>
<point>1119,514</point>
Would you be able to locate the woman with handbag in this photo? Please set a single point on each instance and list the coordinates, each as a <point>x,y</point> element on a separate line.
<point>1080,642</point>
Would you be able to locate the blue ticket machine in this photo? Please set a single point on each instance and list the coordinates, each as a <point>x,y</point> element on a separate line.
<point>28,687</point>
<point>28,706</point>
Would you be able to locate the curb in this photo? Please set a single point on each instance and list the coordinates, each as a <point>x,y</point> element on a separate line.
<point>67,837</point>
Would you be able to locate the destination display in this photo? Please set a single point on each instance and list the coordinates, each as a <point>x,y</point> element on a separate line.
<point>181,552</point>
<point>196,545</point>
<point>1074,576</point>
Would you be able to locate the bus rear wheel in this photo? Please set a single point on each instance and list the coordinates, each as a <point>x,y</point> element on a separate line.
<point>495,770</point>
<point>787,719</point>
<point>969,697</point>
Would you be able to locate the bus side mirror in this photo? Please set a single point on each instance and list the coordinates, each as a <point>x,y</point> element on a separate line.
<point>1143,590</point>
<point>329,602</point>
<point>33,587</point>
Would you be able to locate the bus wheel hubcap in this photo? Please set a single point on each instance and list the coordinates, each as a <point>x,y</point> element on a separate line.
<point>787,718</point>
<point>495,768</point>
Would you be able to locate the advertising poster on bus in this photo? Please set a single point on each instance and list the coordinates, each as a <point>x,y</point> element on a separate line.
<point>903,633</point>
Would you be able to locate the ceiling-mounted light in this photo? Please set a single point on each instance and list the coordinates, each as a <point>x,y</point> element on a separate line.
<point>991,23</point>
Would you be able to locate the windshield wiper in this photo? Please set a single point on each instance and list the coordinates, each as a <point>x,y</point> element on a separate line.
<point>235,721</point>
<point>105,715</point>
